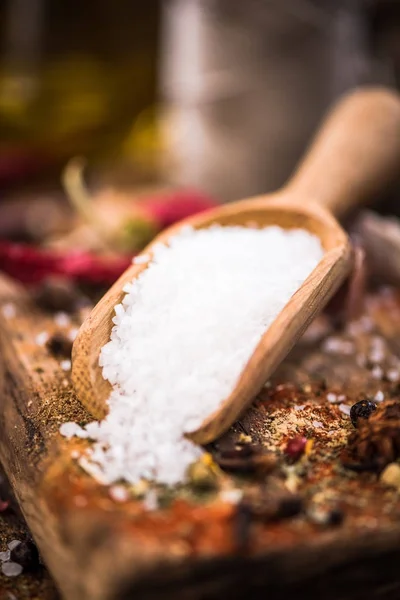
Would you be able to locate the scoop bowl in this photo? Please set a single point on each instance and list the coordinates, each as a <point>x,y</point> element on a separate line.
<point>356,154</point>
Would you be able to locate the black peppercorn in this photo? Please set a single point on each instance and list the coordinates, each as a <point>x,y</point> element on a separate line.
<point>25,554</point>
<point>361,410</point>
<point>289,506</point>
<point>335,517</point>
<point>59,345</point>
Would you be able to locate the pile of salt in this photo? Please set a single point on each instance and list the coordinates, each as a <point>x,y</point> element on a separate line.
<point>181,338</point>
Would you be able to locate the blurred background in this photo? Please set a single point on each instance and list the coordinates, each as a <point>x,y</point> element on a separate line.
<point>117,119</point>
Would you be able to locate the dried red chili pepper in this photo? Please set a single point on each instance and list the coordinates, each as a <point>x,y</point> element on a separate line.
<point>171,208</point>
<point>31,265</point>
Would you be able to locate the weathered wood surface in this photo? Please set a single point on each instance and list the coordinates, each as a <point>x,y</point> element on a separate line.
<point>98,549</point>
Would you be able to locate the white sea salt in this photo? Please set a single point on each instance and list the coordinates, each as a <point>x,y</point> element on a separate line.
<point>11,569</point>
<point>181,338</point>
<point>393,375</point>
<point>345,409</point>
<point>42,338</point>
<point>377,372</point>
<point>13,544</point>
<point>61,319</point>
<point>9,311</point>
<point>379,396</point>
<point>73,333</point>
<point>363,325</point>
<point>331,397</point>
<point>5,556</point>
<point>65,365</point>
<point>141,259</point>
<point>377,351</point>
<point>376,355</point>
<point>334,345</point>
<point>150,501</point>
<point>233,496</point>
<point>119,493</point>
<point>71,429</point>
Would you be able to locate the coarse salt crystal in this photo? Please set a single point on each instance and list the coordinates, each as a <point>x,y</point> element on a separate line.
<point>150,500</point>
<point>363,325</point>
<point>119,493</point>
<point>11,569</point>
<point>344,409</point>
<point>182,335</point>
<point>92,469</point>
<point>338,346</point>
<point>361,360</point>
<point>318,424</point>
<point>299,406</point>
<point>65,365</point>
<point>141,259</point>
<point>73,333</point>
<point>379,396</point>
<point>231,496</point>
<point>13,544</point>
<point>9,311</point>
<point>41,338</point>
<point>71,429</point>
<point>4,556</point>
<point>376,356</point>
<point>331,397</point>
<point>377,352</point>
<point>393,375</point>
<point>377,372</point>
<point>62,319</point>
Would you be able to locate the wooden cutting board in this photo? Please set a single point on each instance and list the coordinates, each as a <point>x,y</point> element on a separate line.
<point>197,544</point>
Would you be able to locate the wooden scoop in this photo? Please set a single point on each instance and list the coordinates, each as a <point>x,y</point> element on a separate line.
<point>355,155</point>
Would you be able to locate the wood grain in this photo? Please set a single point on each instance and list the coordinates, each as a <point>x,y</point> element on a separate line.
<point>352,158</point>
<point>98,549</point>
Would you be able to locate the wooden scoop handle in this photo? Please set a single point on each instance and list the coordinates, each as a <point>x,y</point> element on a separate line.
<point>356,153</point>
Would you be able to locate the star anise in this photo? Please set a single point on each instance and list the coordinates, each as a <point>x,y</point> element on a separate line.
<point>376,440</point>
